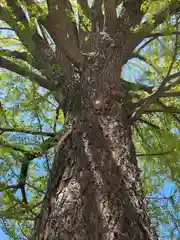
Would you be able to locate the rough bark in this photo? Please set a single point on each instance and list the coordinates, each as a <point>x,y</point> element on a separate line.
<point>94,191</point>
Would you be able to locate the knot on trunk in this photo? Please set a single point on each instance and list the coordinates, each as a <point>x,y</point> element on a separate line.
<point>105,102</point>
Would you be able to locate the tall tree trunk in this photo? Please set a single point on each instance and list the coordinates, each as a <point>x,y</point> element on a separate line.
<point>94,191</point>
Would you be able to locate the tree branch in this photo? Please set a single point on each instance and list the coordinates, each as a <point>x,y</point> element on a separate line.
<point>145,44</point>
<point>24,56</point>
<point>25,72</point>
<point>131,14</point>
<point>130,86</point>
<point>149,123</point>
<point>26,131</point>
<point>34,9</point>
<point>118,2</point>
<point>171,94</point>
<point>31,154</point>
<point>175,83</point>
<point>17,10</point>
<point>166,110</point>
<point>163,34</point>
<point>6,28</point>
<point>164,95</point>
<point>43,55</point>
<point>22,180</point>
<point>39,48</point>
<point>63,30</point>
<point>152,154</point>
<point>97,16</point>
<point>85,7</point>
<point>174,115</point>
<point>147,27</point>
<point>14,147</point>
<point>153,97</point>
<point>110,15</point>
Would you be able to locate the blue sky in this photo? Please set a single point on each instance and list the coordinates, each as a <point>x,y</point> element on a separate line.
<point>3,236</point>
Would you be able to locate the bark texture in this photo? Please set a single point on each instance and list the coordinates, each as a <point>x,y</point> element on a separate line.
<point>94,191</point>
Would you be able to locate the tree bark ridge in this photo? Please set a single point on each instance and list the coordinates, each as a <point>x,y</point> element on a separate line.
<point>95,190</point>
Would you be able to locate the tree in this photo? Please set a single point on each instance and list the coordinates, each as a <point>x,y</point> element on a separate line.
<point>77,51</point>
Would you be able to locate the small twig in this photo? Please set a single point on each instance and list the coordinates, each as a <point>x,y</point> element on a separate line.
<point>153,97</point>
<point>46,157</point>
<point>149,123</point>
<point>13,146</point>
<point>149,100</point>
<point>161,34</point>
<point>145,44</point>
<point>26,131</point>
<point>35,188</point>
<point>166,110</point>
<point>6,28</point>
<point>57,116</point>
<point>159,198</point>
<point>164,106</point>
<point>173,84</point>
<point>2,111</point>
<point>171,94</point>
<point>152,154</point>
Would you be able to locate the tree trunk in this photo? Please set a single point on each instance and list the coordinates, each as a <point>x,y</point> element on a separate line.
<point>94,192</point>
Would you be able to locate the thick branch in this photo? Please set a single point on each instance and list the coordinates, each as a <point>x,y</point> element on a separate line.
<point>118,2</point>
<point>63,30</point>
<point>85,7</point>
<point>97,16</point>
<point>17,10</point>
<point>72,53</point>
<point>131,13</point>
<point>25,72</point>
<point>44,57</point>
<point>110,15</point>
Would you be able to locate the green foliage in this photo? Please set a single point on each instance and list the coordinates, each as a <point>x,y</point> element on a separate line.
<point>26,106</point>
<point>84,21</point>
